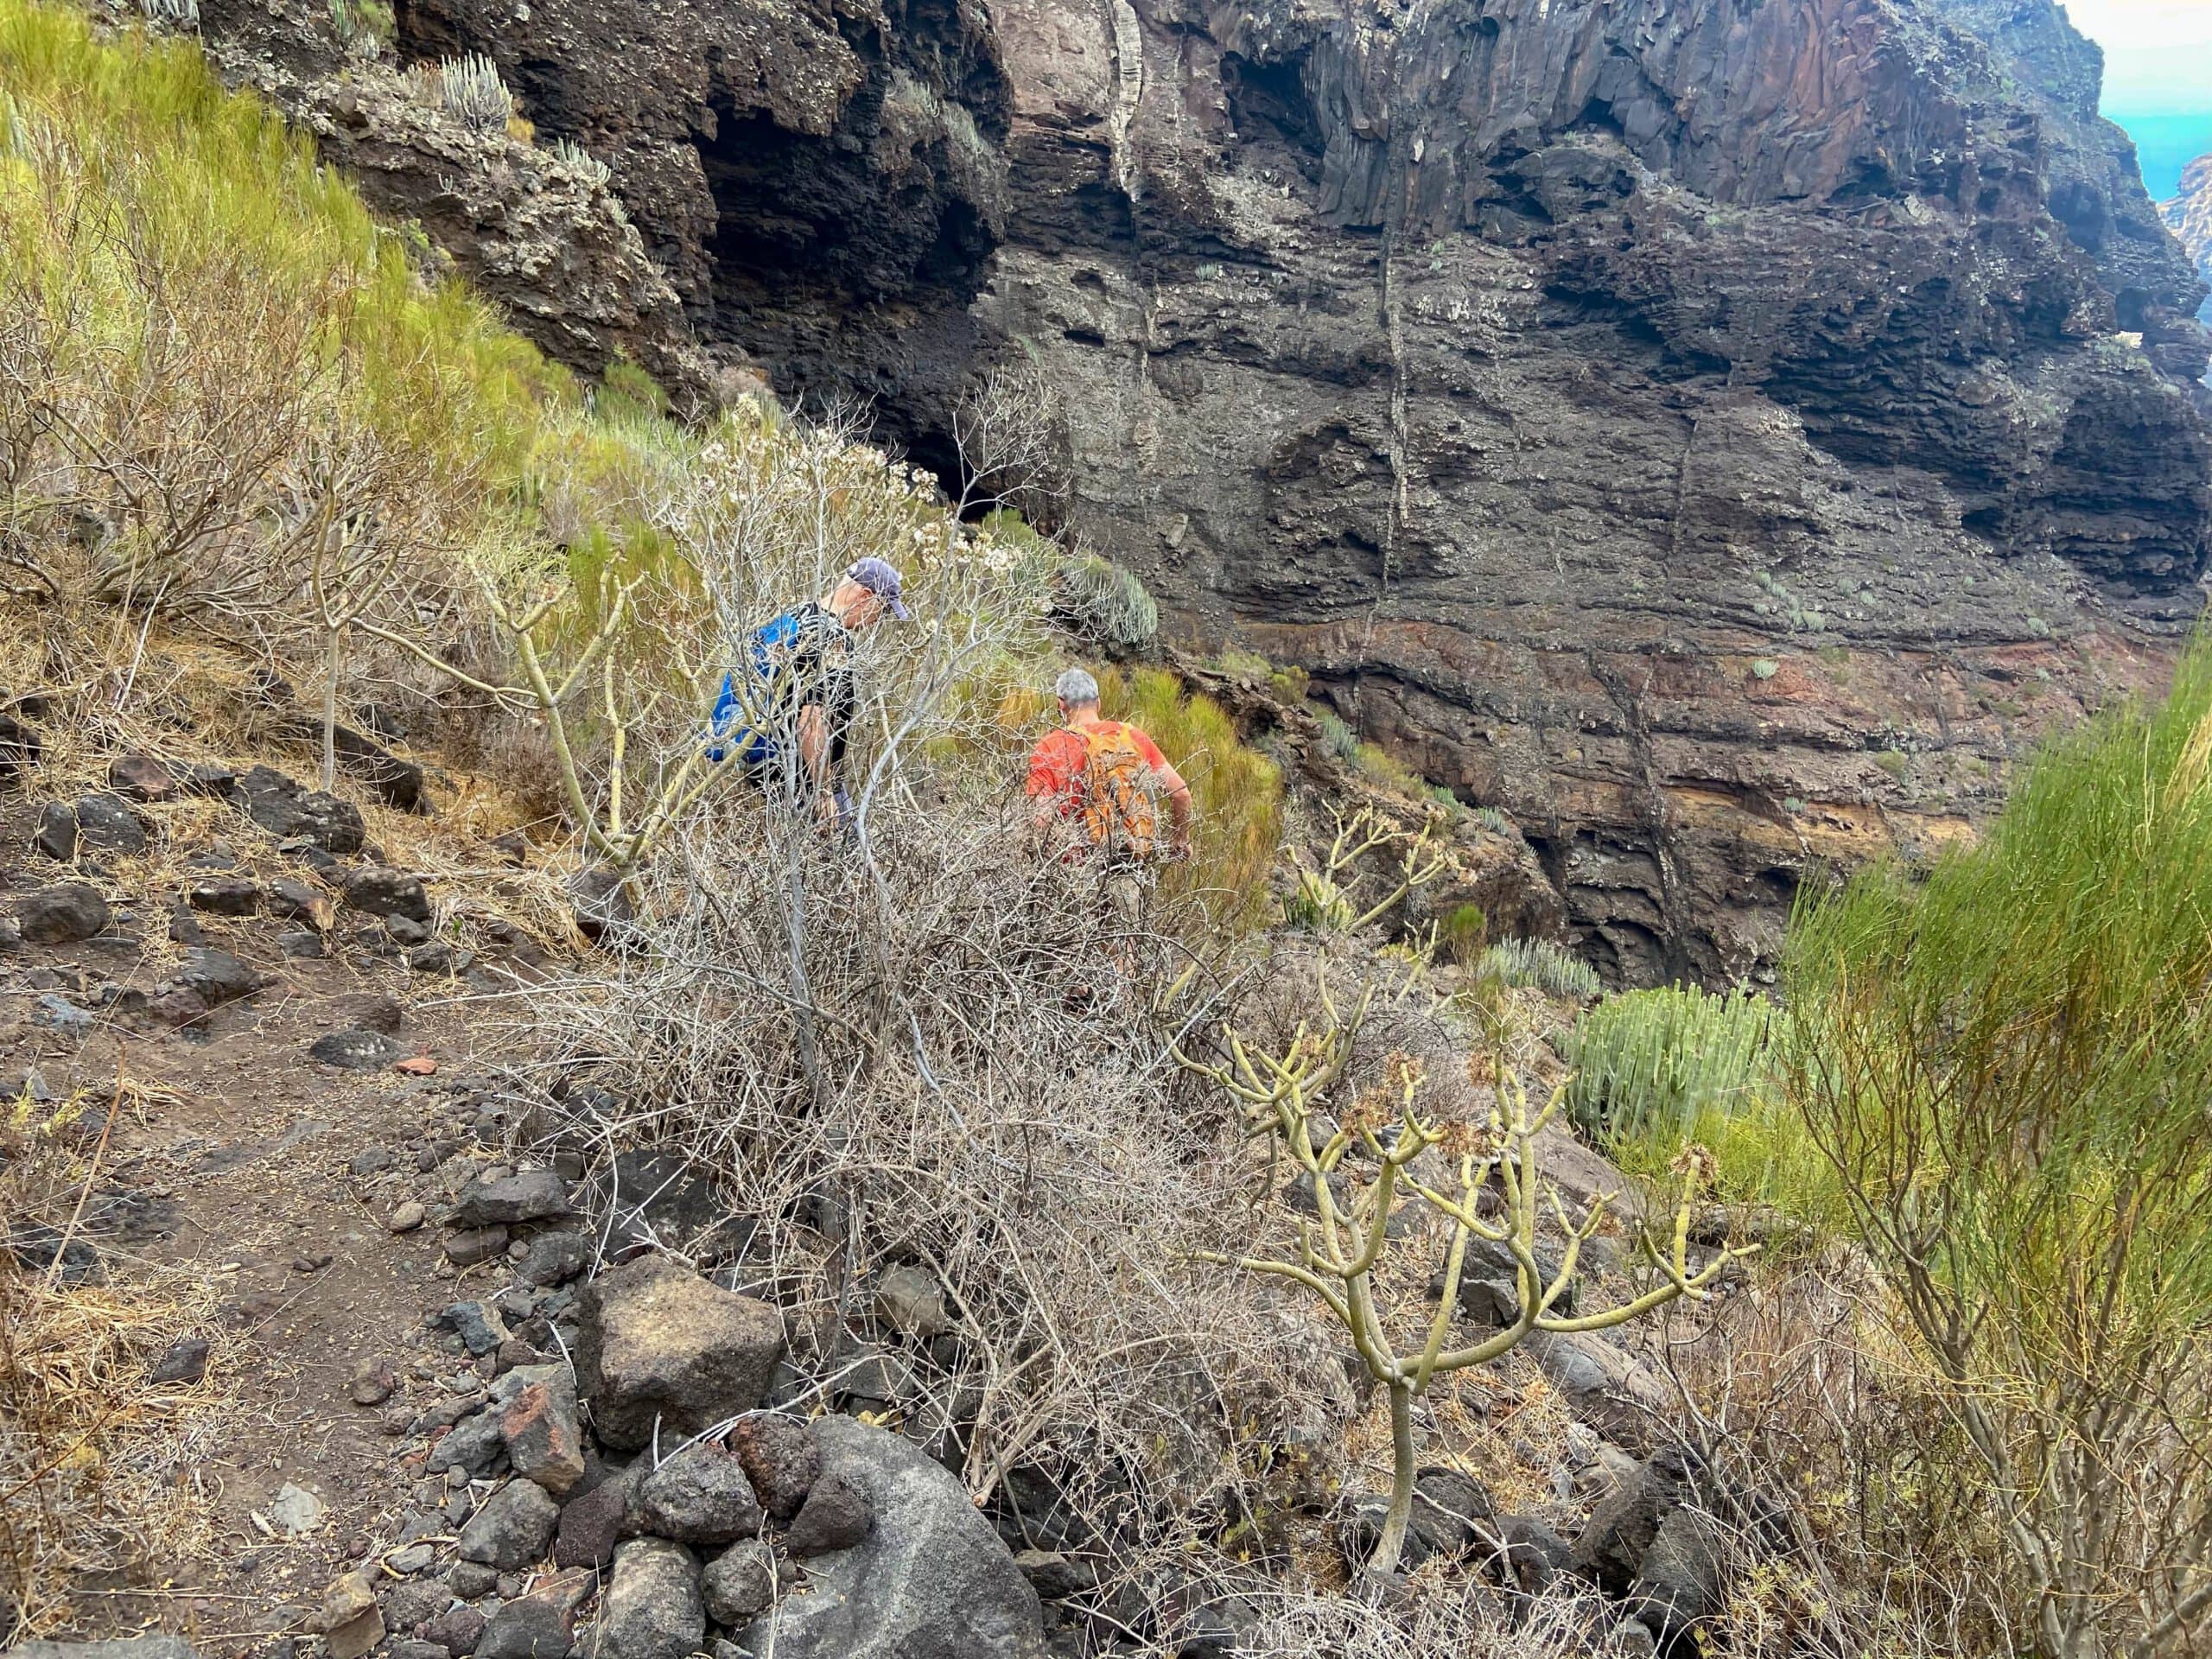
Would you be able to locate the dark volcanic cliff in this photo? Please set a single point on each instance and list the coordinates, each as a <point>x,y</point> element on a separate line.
<point>1718,431</point>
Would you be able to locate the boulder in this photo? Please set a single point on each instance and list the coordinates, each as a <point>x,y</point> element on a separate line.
<point>512,1529</point>
<point>1681,1581</point>
<point>591,1524</point>
<point>531,1196</point>
<point>532,1627</point>
<point>1621,1529</point>
<point>931,1580</point>
<point>376,891</point>
<point>106,824</point>
<point>837,1514</point>
<point>699,1496</point>
<point>1608,1390</point>
<point>655,1341</point>
<point>538,1422</point>
<point>62,914</point>
<point>652,1608</point>
<point>217,976</point>
<point>290,811</point>
<point>740,1584</point>
<point>356,1050</point>
<point>779,1459</point>
<point>143,778</point>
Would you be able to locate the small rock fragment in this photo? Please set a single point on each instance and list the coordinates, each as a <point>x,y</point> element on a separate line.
<point>836,1515</point>
<point>406,1218</point>
<point>355,1051</point>
<point>512,1528</point>
<point>466,1249</point>
<point>352,1621</point>
<point>185,1361</point>
<point>295,1512</point>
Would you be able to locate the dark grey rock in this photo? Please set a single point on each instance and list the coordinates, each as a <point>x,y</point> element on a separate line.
<point>477,1327</point>
<point>301,945</point>
<point>56,836</point>
<point>533,1195</point>
<point>1681,1582</point>
<point>660,1201</point>
<point>290,811</point>
<point>1610,1549</point>
<point>184,1362</point>
<point>457,1630</point>
<point>655,1340</point>
<point>740,1584</point>
<point>539,1424</point>
<point>931,1580</point>
<point>105,824</point>
<point>375,891</point>
<point>652,1608</point>
<point>217,976</point>
<point>228,895</point>
<point>62,914</point>
<point>555,1258</point>
<point>472,1445</point>
<point>471,1245</point>
<point>699,1496</point>
<point>356,1050</point>
<point>532,1627</point>
<point>1534,1555</point>
<point>1448,1507</point>
<point>837,1514</point>
<point>513,1528</point>
<point>471,1580</point>
<point>293,900</point>
<point>408,1605</point>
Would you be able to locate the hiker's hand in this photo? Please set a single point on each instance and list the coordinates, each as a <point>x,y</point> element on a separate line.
<point>1178,852</point>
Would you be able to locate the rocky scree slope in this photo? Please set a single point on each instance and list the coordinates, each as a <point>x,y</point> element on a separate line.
<point>1716,433</point>
<point>2189,216</point>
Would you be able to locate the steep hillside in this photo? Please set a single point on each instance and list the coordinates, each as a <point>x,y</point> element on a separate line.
<point>2189,216</point>
<point>1719,434</point>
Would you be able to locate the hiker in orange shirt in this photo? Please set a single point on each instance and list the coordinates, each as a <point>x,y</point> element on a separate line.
<point>1095,786</point>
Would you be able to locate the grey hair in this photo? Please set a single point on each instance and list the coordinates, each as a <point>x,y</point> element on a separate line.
<point>1076,687</point>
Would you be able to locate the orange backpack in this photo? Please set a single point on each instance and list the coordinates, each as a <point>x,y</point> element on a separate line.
<point>1117,812</point>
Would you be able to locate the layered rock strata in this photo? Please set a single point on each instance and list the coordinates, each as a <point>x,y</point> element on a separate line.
<point>1719,433</point>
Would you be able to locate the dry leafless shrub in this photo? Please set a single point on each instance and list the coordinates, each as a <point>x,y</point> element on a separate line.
<point>100,1465</point>
<point>920,1047</point>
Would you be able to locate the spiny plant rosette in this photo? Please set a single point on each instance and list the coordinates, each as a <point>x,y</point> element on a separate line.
<point>1342,1250</point>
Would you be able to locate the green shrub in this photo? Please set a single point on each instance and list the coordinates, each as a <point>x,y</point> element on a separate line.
<point>1460,935</point>
<point>2007,1060</point>
<point>1337,738</point>
<point>1236,791</point>
<point>1538,965</point>
<point>1495,820</point>
<point>1657,1064</point>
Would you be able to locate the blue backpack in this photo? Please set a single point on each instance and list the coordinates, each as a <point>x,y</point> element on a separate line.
<point>754,747</point>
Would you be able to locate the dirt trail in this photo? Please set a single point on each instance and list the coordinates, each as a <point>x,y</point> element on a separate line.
<point>273,1179</point>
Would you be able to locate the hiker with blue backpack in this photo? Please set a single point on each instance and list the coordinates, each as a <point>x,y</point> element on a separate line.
<point>785,710</point>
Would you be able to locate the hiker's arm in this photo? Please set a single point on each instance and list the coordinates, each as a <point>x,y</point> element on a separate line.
<point>1178,806</point>
<point>814,744</point>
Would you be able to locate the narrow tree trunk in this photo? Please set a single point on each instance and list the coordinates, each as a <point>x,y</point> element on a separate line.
<point>330,710</point>
<point>1384,1561</point>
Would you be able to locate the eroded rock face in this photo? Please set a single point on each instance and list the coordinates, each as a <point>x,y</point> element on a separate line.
<point>1719,434</point>
<point>2189,215</point>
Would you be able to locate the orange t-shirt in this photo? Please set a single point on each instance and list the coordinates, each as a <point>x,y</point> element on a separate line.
<point>1059,758</point>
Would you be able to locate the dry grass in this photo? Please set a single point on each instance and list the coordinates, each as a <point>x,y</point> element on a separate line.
<point>99,1467</point>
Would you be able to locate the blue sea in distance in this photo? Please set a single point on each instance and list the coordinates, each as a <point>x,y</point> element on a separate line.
<point>2166,143</point>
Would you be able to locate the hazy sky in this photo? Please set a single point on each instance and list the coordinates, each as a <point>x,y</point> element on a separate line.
<point>2158,53</point>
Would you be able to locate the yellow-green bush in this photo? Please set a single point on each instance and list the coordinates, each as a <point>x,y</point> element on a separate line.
<point>1237,791</point>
